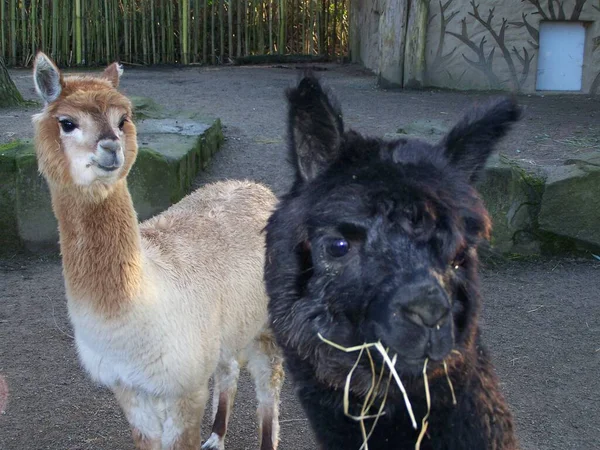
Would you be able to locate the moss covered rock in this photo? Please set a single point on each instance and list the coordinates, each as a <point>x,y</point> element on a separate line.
<point>9,236</point>
<point>171,153</point>
<point>571,204</point>
<point>512,195</point>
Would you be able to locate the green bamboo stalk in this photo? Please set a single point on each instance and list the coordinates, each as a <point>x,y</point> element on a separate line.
<point>270,27</point>
<point>261,29</point>
<point>116,32</point>
<point>97,18</point>
<point>170,33</point>
<point>77,37</point>
<point>54,51</point>
<point>134,31</point>
<point>185,12</point>
<point>247,26</point>
<point>282,26</point>
<point>153,33</point>
<point>65,38</point>
<point>163,31</point>
<point>221,30</point>
<point>144,32</point>
<point>212,33</point>
<point>239,28</point>
<point>230,28</point>
<point>254,12</point>
<point>311,35</point>
<point>33,14</point>
<point>23,34</point>
<point>126,49</point>
<point>196,37</point>
<point>335,21</point>
<point>106,33</point>
<point>3,38</point>
<point>205,32</point>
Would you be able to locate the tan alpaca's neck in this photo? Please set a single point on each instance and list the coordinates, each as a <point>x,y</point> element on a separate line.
<point>100,246</point>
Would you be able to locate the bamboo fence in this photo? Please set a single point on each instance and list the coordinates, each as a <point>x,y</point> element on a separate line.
<point>93,32</point>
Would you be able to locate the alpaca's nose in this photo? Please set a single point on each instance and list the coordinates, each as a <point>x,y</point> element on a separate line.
<point>428,306</point>
<point>110,145</point>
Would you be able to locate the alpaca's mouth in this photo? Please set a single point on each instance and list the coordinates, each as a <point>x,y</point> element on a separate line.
<point>107,168</point>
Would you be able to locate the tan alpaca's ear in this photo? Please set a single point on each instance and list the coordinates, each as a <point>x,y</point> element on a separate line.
<point>46,78</point>
<point>113,73</point>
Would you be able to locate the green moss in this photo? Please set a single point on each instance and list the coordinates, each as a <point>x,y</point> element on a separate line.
<point>146,108</point>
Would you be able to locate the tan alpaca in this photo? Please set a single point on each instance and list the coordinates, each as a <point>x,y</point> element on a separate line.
<point>158,307</point>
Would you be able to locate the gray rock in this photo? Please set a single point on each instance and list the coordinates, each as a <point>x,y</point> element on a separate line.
<point>512,194</point>
<point>571,203</point>
<point>171,152</point>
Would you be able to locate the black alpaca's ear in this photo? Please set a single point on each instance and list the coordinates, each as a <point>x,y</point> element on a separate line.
<point>471,142</point>
<point>315,128</point>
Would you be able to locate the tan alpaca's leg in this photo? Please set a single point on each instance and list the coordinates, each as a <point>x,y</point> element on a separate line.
<point>266,367</point>
<point>146,428</point>
<point>224,390</point>
<point>181,429</point>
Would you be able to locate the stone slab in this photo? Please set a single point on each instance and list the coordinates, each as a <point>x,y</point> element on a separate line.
<point>173,148</point>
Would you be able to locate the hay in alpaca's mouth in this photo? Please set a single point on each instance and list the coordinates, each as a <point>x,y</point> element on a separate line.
<point>374,390</point>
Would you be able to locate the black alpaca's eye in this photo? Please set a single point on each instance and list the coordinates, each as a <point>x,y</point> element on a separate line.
<point>122,123</point>
<point>458,260</point>
<point>338,247</point>
<point>67,125</point>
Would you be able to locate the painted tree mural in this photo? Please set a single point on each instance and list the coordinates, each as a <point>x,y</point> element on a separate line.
<point>486,40</point>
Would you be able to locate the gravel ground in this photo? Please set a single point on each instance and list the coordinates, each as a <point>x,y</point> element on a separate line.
<point>541,318</point>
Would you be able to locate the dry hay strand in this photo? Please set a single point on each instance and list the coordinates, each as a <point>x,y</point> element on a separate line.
<point>375,386</point>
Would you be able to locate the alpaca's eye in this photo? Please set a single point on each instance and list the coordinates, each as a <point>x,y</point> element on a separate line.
<point>458,260</point>
<point>122,123</point>
<point>338,248</point>
<point>67,125</point>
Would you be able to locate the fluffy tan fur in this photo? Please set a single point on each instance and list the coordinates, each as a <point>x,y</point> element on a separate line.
<point>157,308</point>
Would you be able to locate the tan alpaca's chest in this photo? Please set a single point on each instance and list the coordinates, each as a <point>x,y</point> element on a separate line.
<point>151,350</point>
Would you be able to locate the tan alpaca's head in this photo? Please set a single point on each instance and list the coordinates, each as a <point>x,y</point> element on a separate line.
<point>84,135</point>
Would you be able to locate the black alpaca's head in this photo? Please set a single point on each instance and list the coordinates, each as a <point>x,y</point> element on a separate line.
<point>377,240</point>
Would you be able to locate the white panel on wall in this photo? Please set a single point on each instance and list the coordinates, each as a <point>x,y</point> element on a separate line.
<point>560,58</point>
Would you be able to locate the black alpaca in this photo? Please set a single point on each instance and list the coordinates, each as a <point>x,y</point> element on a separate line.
<point>377,241</point>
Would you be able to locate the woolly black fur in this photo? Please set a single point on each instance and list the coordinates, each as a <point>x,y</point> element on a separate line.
<point>376,241</point>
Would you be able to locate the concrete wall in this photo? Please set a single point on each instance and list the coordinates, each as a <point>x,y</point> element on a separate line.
<point>486,44</point>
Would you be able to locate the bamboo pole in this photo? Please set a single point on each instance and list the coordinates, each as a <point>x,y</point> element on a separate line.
<point>196,37</point>
<point>261,29</point>
<point>23,34</point>
<point>247,35</point>
<point>3,39</point>
<point>239,28</point>
<point>134,31</point>
<point>33,19</point>
<point>54,29</point>
<point>311,28</point>
<point>153,32</point>
<point>230,45</point>
<point>270,27</point>
<point>335,18</point>
<point>144,32</point>
<point>163,32</point>
<point>212,33</point>
<point>78,49</point>
<point>185,10</point>
<point>221,30</point>
<point>282,26</point>
<point>65,31</point>
<point>116,21</point>
<point>205,32</point>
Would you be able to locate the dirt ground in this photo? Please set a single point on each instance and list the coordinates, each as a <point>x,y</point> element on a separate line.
<point>541,317</point>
